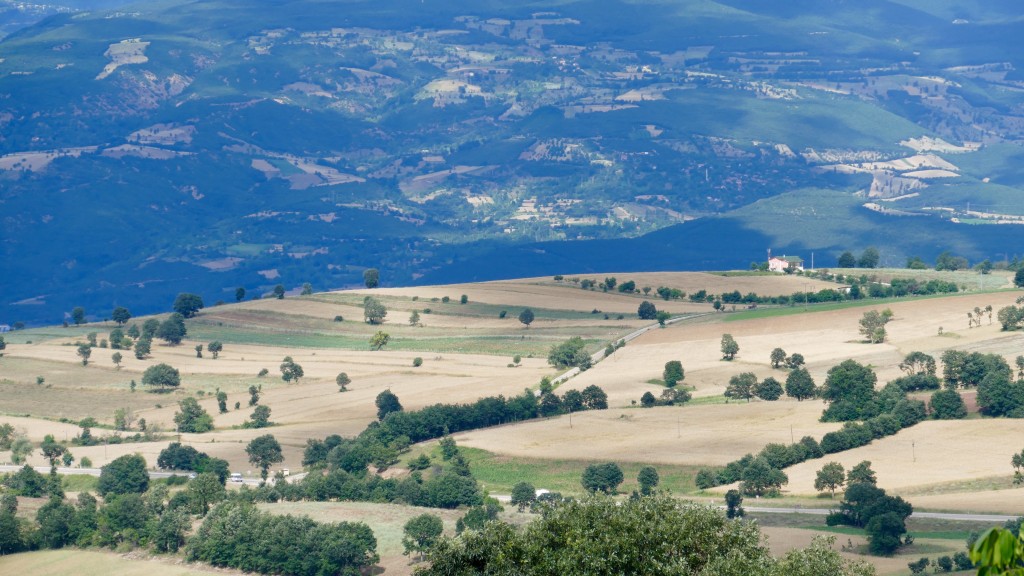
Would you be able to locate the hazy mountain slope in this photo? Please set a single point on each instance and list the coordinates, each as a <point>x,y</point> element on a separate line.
<point>204,145</point>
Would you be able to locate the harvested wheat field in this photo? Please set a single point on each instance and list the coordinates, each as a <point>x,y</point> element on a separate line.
<point>693,435</point>
<point>927,455</point>
<point>92,563</point>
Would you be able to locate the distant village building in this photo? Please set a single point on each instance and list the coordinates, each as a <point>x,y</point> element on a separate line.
<point>782,263</point>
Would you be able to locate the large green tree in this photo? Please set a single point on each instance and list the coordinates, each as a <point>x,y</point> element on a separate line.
<point>831,477</point>
<point>387,403</point>
<point>654,536</point>
<point>647,311</point>
<point>120,315</point>
<point>741,386</point>
<point>526,317</point>
<point>673,373</point>
<point>570,353</point>
<point>729,347</point>
<point>371,277</point>
<point>192,418</point>
<point>602,477</point>
<point>172,330</point>
<point>264,451</point>
<point>523,495</point>
<point>849,389</point>
<point>162,375</point>
<point>374,311</point>
<point>187,304</point>
<point>124,475</point>
<point>420,533</point>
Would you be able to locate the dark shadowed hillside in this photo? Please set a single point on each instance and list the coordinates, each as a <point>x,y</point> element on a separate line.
<point>155,148</point>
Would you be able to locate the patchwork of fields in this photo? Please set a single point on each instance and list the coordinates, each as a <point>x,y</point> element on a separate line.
<point>467,352</point>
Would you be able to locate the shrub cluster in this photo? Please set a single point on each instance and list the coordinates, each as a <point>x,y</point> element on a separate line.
<point>237,535</point>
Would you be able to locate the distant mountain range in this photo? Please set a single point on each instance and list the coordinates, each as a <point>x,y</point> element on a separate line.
<point>153,148</point>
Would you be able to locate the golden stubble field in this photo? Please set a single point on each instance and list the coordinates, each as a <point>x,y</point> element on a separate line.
<point>953,459</point>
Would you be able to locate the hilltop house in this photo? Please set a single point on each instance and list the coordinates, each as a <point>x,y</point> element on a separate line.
<point>781,263</point>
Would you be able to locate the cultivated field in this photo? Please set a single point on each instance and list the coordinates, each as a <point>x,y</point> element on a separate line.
<point>92,563</point>
<point>467,350</point>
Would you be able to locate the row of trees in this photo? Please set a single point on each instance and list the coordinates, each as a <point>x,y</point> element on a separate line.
<point>438,420</point>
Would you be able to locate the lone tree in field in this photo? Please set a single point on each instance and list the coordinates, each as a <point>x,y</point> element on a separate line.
<point>831,477</point>
<point>343,381</point>
<point>116,358</point>
<point>78,315</point>
<point>387,403</point>
<point>120,315</point>
<point>414,318</point>
<point>647,311</point>
<point>260,417</point>
<point>371,277</point>
<point>379,340</point>
<point>421,533</point>
<point>673,373</point>
<point>523,495</point>
<point>872,326</point>
<point>526,317</point>
<point>290,370</point>
<point>264,451</point>
<point>84,350</point>
<point>187,304</point>
<point>161,375</point>
<point>374,311</point>
<point>215,348</point>
<point>778,356</point>
<point>222,401</point>
<point>729,347</point>
<point>239,294</point>
<point>279,291</point>
<point>734,505</point>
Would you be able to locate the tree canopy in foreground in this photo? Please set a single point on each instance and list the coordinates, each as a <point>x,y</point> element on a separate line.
<point>653,535</point>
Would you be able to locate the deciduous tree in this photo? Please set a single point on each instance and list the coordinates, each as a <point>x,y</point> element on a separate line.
<point>420,533</point>
<point>729,347</point>
<point>162,375</point>
<point>387,403</point>
<point>121,315</point>
<point>172,330</point>
<point>831,477</point>
<point>124,475</point>
<point>741,386</point>
<point>778,356</point>
<point>379,340</point>
<point>371,277</point>
<point>374,311</point>
<point>647,311</point>
<point>264,451</point>
<point>526,317</point>
<point>673,373</point>
<point>188,304</point>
